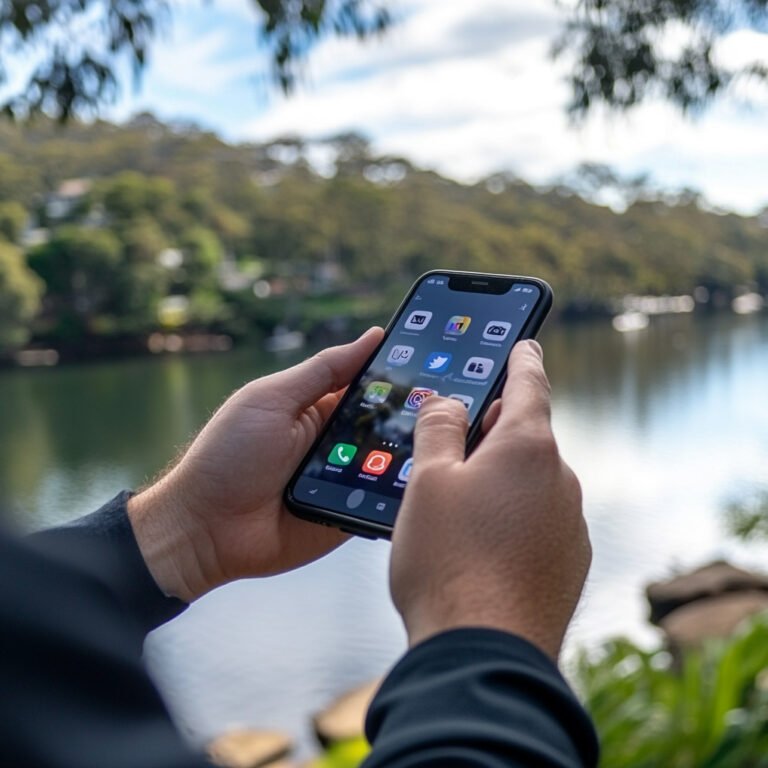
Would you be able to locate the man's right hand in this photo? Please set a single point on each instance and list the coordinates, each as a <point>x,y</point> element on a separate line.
<point>496,539</point>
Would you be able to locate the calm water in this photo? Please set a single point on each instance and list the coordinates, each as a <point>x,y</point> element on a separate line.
<point>663,427</point>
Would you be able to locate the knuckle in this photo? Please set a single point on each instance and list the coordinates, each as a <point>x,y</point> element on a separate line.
<point>537,377</point>
<point>577,490</point>
<point>442,409</point>
<point>323,361</point>
<point>322,358</point>
<point>540,443</point>
<point>572,484</point>
<point>431,418</point>
<point>531,364</point>
<point>588,551</point>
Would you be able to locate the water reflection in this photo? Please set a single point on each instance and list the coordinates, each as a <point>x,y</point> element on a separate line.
<point>662,427</point>
<point>69,437</point>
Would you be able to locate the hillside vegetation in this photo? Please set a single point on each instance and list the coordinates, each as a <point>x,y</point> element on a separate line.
<point>111,232</point>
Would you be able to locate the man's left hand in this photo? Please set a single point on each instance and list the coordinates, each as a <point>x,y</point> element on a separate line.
<point>218,515</point>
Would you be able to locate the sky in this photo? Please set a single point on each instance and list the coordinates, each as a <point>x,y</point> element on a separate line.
<point>465,88</point>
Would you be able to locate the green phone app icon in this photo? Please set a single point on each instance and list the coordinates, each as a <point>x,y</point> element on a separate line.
<point>342,454</point>
<point>377,392</point>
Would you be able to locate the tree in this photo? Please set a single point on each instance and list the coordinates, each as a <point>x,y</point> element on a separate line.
<point>130,195</point>
<point>20,291</point>
<point>621,47</point>
<point>202,255</point>
<point>624,54</point>
<point>79,71</point>
<point>13,219</point>
<point>79,267</point>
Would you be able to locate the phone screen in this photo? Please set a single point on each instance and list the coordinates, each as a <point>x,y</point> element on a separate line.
<point>445,341</point>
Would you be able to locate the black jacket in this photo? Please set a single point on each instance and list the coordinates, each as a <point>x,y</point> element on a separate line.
<point>76,603</point>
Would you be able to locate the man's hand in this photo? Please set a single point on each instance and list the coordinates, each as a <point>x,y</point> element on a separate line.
<point>218,515</point>
<point>497,539</point>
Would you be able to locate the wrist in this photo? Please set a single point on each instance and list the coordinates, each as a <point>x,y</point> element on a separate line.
<point>421,625</point>
<point>168,540</point>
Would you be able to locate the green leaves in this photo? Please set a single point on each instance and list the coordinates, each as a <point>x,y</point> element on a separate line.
<point>626,51</point>
<point>747,518</point>
<point>708,710</point>
<point>343,754</point>
<point>20,292</point>
<point>79,44</point>
<point>83,42</point>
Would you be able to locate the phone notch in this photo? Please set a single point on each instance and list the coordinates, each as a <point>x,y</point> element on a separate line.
<point>480,284</point>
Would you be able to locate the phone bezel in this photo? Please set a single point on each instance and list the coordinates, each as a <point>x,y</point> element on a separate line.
<point>368,528</point>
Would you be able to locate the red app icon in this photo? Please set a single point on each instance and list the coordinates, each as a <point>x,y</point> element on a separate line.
<point>376,462</point>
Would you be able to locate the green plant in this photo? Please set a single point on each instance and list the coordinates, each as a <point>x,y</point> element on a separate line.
<point>343,754</point>
<point>747,519</point>
<point>708,709</point>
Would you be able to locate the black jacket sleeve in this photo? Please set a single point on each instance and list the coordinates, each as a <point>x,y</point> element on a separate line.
<point>103,545</point>
<point>478,697</point>
<point>73,690</point>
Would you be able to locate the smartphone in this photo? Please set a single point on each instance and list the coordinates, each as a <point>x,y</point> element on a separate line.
<point>451,336</point>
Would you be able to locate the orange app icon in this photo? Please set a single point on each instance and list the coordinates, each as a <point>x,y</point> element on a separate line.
<point>376,462</point>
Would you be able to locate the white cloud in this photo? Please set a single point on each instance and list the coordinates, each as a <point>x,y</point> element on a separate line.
<point>197,66</point>
<point>244,9</point>
<point>465,88</point>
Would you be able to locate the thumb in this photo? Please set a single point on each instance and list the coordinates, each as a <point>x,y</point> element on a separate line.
<point>328,371</point>
<point>441,432</point>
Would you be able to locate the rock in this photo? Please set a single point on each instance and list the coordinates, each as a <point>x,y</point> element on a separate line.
<point>250,749</point>
<point>344,718</point>
<point>711,617</point>
<point>717,578</point>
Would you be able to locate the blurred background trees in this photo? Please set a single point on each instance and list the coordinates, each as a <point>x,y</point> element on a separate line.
<point>204,235</point>
<point>186,240</point>
<point>20,291</point>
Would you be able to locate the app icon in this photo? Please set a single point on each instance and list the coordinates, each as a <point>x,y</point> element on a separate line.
<point>376,462</point>
<point>399,354</point>
<point>438,362</point>
<point>416,398</point>
<point>478,368</point>
<point>457,325</point>
<point>466,399</point>
<point>496,330</point>
<point>377,392</point>
<point>342,454</point>
<point>418,320</point>
<point>405,471</point>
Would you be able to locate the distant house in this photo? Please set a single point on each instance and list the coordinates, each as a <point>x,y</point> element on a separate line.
<point>62,203</point>
<point>34,235</point>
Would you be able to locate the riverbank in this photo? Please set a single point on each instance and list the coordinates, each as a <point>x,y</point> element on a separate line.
<point>325,324</point>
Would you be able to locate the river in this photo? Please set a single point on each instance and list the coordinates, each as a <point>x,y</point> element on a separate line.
<point>663,426</point>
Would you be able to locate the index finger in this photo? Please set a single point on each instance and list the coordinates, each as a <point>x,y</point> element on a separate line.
<point>527,393</point>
